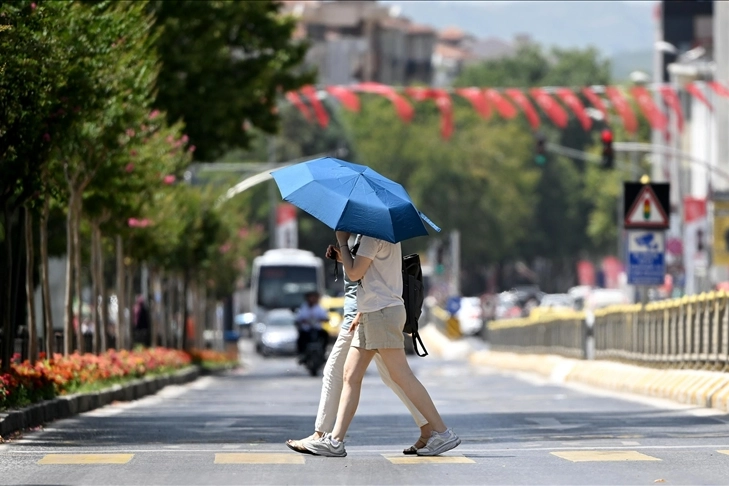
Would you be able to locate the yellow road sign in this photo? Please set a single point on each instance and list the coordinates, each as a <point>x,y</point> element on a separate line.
<point>721,233</point>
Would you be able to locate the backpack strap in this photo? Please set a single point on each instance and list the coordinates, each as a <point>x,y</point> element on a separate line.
<point>416,339</point>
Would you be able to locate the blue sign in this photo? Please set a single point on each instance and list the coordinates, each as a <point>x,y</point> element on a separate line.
<point>646,257</point>
<point>453,305</point>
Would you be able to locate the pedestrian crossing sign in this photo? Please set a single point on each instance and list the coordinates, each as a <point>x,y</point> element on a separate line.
<point>645,210</point>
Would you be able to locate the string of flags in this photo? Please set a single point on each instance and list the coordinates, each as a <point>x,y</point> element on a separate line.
<point>509,102</point>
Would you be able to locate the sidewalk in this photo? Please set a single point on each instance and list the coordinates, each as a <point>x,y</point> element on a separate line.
<point>694,387</point>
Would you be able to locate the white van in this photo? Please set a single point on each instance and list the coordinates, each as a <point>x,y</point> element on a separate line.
<point>281,277</point>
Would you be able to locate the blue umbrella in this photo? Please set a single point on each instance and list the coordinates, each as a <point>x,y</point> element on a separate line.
<point>352,197</point>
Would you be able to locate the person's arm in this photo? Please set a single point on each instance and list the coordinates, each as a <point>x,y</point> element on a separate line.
<point>355,268</point>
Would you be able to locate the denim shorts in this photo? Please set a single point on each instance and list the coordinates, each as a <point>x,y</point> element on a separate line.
<point>381,329</point>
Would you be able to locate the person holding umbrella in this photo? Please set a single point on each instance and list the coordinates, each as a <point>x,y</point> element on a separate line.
<point>332,381</point>
<point>353,198</point>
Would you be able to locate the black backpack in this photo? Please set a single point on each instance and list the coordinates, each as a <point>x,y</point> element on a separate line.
<point>413,295</point>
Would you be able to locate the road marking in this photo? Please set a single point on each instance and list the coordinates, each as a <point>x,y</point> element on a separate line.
<point>86,459</point>
<point>400,460</point>
<point>258,458</point>
<point>723,452</point>
<point>594,456</point>
<point>630,442</point>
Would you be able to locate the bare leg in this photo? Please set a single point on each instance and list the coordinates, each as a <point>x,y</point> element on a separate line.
<point>401,374</point>
<point>354,369</point>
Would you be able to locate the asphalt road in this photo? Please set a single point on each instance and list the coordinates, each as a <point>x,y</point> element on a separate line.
<point>516,430</point>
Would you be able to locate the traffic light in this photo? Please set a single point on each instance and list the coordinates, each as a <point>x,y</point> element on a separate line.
<point>608,155</point>
<point>540,156</point>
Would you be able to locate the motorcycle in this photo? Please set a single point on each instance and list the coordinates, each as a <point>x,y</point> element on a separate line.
<point>314,355</point>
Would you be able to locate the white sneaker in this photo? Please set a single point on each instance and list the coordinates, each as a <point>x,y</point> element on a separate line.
<point>324,447</point>
<point>440,443</point>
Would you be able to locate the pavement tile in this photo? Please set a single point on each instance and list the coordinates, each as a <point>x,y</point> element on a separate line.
<point>258,458</point>
<point>85,459</point>
<point>603,456</point>
<point>409,460</point>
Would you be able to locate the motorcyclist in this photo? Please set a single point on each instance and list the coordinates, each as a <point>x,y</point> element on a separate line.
<point>309,319</point>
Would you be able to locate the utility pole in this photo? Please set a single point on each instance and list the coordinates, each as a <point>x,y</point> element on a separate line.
<point>272,196</point>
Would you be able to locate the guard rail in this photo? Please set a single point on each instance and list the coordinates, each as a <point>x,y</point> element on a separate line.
<point>563,333</point>
<point>689,332</point>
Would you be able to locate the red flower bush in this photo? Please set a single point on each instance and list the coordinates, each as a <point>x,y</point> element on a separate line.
<point>60,375</point>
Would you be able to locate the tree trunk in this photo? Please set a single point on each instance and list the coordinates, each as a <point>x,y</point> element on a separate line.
<point>30,287</point>
<point>7,296</point>
<point>48,332</point>
<point>96,345</point>
<point>120,293</point>
<point>68,328</point>
<point>164,310</point>
<point>185,312</point>
<point>104,318</point>
<point>129,331</point>
<point>77,271</point>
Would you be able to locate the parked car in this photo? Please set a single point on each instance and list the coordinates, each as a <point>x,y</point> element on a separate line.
<point>335,308</point>
<point>277,333</point>
<point>245,322</point>
<point>470,316</point>
<point>507,306</point>
<point>553,303</point>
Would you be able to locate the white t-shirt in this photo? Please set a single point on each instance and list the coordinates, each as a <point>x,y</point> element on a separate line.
<point>381,285</point>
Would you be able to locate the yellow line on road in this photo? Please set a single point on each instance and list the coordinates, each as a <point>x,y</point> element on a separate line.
<point>593,456</point>
<point>428,459</point>
<point>86,459</point>
<point>258,458</point>
<point>723,452</point>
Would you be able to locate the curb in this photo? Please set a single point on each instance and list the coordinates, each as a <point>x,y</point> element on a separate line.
<point>65,406</point>
<point>709,389</point>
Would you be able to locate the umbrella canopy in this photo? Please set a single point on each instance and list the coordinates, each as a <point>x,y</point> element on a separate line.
<point>352,197</point>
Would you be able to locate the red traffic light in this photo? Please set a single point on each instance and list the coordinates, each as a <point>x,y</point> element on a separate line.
<point>606,136</point>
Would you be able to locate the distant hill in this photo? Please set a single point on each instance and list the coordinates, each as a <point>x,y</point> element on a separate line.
<point>621,30</point>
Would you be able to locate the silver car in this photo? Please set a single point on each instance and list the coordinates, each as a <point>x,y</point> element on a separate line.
<point>277,333</point>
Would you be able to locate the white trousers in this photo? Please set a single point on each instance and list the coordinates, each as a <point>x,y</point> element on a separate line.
<point>333,382</point>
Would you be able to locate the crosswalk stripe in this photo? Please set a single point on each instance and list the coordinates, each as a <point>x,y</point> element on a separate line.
<point>258,458</point>
<point>86,459</point>
<point>595,456</point>
<point>400,459</point>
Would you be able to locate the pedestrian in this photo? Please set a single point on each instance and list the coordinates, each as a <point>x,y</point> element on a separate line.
<point>377,267</point>
<point>141,322</point>
<point>333,379</point>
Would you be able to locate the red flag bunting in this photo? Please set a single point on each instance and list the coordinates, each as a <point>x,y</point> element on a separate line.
<point>348,99</point>
<point>571,100</point>
<point>623,108</point>
<point>322,117</point>
<point>656,118</point>
<point>502,105</point>
<point>478,100</point>
<point>696,92</point>
<point>719,88</point>
<point>553,109</point>
<point>442,101</point>
<point>523,102</point>
<point>402,107</point>
<point>295,100</point>
<point>671,99</point>
<point>596,101</point>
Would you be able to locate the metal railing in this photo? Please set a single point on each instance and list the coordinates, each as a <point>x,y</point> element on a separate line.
<point>690,332</point>
<point>562,333</point>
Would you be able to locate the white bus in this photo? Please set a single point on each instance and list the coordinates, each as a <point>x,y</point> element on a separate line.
<point>281,277</point>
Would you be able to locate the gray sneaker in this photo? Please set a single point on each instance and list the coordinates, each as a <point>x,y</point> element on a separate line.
<point>324,447</point>
<point>440,443</point>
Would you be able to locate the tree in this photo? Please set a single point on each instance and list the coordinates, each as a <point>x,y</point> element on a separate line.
<point>112,85</point>
<point>33,78</point>
<point>224,64</point>
<point>557,231</point>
